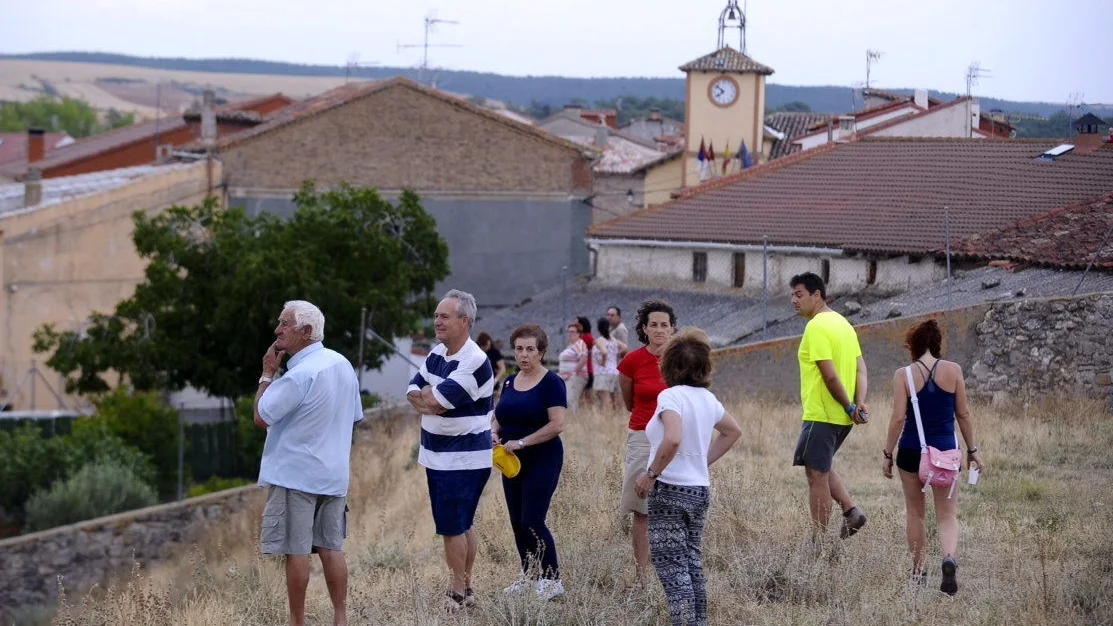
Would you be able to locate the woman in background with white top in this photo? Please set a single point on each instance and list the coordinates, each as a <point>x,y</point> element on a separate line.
<point>677,482</point>
<point>572,367</point>
<point>605,353</point>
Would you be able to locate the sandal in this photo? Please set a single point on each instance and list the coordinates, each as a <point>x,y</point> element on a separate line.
<point>453,602</point>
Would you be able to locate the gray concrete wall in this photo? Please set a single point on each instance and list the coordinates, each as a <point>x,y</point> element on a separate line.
<point>503,250</point>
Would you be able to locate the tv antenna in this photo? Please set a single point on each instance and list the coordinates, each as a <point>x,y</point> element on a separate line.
<point>872,57</point>
<point>973,73</point>
<point>430,26</point>
<point>1074,101</point>
<point>732,17</point>
<point>353,64</point>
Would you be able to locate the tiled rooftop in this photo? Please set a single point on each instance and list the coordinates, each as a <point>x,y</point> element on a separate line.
<point>877,195</point>
<point>65,187</point>
<point>726,59</point>
<point>793,125</point>
<point>1068,237</point>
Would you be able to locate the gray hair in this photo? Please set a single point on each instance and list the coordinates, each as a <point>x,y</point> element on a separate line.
<point>307,314</point>
<point>465,304</point>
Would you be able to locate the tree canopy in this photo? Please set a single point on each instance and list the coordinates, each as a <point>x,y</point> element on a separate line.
<point>216,281</point>
<point>66,115</point>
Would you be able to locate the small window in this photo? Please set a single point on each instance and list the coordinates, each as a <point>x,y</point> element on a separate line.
<point>699,267</point>
<point>739,268</point>
<point>871,272</point>
<point>825,271</point>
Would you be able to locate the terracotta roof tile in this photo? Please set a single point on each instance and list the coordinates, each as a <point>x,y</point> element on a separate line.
<point>1067,237</point>
<point>726,59</point>
<point>793,125</point>
<point>877,194</point>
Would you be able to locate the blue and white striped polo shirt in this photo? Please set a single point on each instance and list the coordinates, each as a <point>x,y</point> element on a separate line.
<point>463,383</point>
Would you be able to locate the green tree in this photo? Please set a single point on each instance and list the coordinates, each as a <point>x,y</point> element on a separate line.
<point>1055,126</point>
<point>66,115</point>
<point>216,281</point>
<point>794,107</point>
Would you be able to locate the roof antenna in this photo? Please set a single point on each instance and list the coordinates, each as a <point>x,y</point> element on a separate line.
<point>732,17</point>
<point>973,73</point>
<point>872,57</point>
<point>430,25</point>
<point>353,64</point>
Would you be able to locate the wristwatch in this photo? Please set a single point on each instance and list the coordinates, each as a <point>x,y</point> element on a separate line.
<point>265,379</point>
<point>521,443</point>
<point>851,408</point>
<point>649,472</point>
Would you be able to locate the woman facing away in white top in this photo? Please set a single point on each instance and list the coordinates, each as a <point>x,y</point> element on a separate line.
<point>677,482</point>
<point>605,353</point>
<point>572,366</point>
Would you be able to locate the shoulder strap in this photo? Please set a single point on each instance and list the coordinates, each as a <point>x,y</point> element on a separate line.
<point>915,407</point>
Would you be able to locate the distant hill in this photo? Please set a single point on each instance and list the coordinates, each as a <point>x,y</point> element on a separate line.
<point>522,91</point>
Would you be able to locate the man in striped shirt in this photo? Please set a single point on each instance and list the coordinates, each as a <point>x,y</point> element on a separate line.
<point>453,391</point>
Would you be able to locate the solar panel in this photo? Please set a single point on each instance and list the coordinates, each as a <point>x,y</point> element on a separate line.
<point>1059,150</point>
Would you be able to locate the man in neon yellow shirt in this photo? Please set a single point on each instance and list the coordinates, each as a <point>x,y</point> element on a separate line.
<point>833,394</point>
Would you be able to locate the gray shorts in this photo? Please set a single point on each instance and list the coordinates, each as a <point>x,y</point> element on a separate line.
<point>295,522</point>
<point>818,443</point>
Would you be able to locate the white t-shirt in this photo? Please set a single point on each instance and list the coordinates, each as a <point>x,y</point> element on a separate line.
<point>699,411</point>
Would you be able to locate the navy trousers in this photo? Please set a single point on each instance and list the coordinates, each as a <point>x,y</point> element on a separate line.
<point>528,496</point>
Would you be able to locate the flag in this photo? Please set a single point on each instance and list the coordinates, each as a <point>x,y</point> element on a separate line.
<point>727,157</point>
<point>711,156</point>
<point>701,157</point>
<point>744,157</point>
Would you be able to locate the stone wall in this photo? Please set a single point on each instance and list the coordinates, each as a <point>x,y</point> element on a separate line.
<point>1032,346</point>
<point>1022,348</point>
<point>83,554</point>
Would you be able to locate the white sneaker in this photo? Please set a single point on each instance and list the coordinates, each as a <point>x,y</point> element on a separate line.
<point>518,587</point>
<point>549,589</point>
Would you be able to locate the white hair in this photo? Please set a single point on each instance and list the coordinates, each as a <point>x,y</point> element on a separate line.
<point>465,304</point>
<point>307,314</point>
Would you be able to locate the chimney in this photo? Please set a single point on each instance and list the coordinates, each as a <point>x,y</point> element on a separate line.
<point>33,187</point>
<point>831,129</point>
<point>846,128</point>
<point>654,115</point>
<point>975,115</point>
<point>208,118</point>
<point>601,135</point>
<point>36,145</point>
<point>920,98</point>
<point>574,109</point>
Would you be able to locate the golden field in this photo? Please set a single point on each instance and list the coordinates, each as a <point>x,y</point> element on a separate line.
<point>1037,543</point>
<point>22,80</point>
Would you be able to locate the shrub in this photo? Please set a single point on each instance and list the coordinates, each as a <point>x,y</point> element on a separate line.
<point>250,438</point>
<point>215,484</point>
<point>31,462</point>
<point>98,489</point>
<point>370,399</point>
<point>141,420</point>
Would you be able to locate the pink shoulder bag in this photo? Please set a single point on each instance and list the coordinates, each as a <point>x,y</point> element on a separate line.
<point>938,468</point>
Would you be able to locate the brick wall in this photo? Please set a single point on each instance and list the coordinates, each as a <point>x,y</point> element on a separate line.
<point>402,138</point>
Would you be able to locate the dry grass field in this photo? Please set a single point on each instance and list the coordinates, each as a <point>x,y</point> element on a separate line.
<point>1037,543</point>
<point>22,80</point>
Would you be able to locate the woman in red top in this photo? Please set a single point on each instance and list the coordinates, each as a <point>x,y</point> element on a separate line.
<point>589,340</point>
<point>640,380</point>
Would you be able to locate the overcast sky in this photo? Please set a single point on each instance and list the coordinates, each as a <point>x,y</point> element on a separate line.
<point>1035,50</point>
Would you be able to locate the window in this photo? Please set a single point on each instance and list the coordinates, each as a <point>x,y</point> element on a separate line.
<point>739,268</point>
<point>699,267</point>
<point>825,271</point>
<point>871,272</point>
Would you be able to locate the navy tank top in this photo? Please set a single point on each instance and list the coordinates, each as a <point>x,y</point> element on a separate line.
<point>937,412</point>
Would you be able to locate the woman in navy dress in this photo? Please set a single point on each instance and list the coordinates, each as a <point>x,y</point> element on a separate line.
<point>528,421</point>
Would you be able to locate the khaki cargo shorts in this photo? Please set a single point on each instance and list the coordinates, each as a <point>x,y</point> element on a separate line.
<point>637,460</point>
<point>295,522</point>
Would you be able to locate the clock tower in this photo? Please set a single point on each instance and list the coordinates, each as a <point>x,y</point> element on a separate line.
<point>724,103</point>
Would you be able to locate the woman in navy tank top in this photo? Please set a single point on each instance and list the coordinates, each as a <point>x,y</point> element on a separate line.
<point>941,392</point>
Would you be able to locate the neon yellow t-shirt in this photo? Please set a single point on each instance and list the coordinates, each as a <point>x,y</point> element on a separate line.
<point>827,337</point>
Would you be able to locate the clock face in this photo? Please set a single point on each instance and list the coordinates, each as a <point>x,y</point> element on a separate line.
<point>724,91</point>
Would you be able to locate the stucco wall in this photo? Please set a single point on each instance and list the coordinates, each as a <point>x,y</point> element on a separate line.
<point>654,265</point>
<point>741,120</point>
<point>610,195</point>
<point>66,260</point>
<point>947,122</point>
<point>662,180</point>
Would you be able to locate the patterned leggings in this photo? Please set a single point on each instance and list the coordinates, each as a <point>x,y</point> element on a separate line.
<point>676,518</point>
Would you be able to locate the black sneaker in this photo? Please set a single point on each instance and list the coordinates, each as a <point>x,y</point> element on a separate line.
<point>852,521</point>
<point>949,585</point>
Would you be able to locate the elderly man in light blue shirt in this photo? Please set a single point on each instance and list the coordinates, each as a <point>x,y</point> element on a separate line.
<point>308,414</point>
